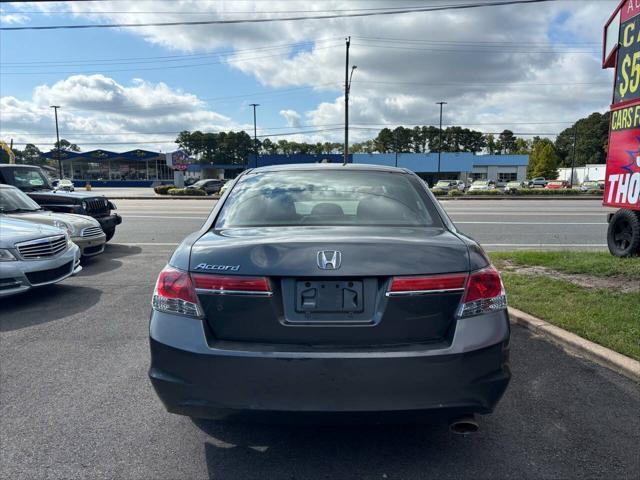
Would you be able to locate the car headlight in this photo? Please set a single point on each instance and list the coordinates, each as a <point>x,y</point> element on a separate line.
<point>6,255</point>
<point>84,205</point>
<point>64,226</point>
<point>113,205</point>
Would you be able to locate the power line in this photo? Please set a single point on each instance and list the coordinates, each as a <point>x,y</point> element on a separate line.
<point>151,59</point>
<point>363,125</point>
<point>220,62</point>
<point>473,51</point>
<point>496,43</point>
<point>281,19</point>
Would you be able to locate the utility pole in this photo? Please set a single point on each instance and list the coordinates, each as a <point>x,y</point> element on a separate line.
<point>347,89</point>
<point>440,136</point>
<point>55,112</point>
<point>255,133</point>
<point>573,157</point>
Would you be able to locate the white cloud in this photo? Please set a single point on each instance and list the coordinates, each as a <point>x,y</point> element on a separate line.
<point>98,109</point>
<point>292,117</point>
<point>12,17</point>
<point>451,56</point>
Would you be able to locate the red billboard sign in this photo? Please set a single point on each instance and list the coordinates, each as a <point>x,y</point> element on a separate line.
<point>622,186</point>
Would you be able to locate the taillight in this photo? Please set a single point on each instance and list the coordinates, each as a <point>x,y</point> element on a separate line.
<point>402,286</point>
<point>175,293</point>
<point>232,284</point>
<point>484,293</point>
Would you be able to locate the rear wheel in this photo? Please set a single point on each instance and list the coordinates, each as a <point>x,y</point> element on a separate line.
<point>623,234</point>
<point>110,233</point>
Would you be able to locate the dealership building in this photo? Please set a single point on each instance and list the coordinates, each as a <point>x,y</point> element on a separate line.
<point>143,168</point>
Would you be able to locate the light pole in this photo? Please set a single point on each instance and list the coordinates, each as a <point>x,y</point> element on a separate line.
<point>55,113</point>
<point>347,89</point>
<point>255,133</point>
<point>440,136</point>
<point>573,157</point>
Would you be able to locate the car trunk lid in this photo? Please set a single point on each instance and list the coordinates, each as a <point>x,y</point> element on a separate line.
<point>343,306</point>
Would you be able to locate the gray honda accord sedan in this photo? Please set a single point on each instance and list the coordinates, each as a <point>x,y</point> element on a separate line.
<point>329,288</point>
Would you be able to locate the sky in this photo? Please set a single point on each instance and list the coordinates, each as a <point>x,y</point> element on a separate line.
<point>533,69</point>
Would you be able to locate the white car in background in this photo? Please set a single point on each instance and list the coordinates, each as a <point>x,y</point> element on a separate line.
<point>64,184</point>
<point>84,231</point>
<point>33,255</point>
<point>480,185</point>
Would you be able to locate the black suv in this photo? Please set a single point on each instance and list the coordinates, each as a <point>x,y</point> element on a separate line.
<point>33,181</point>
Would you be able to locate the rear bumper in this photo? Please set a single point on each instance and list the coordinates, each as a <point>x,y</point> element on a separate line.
<point>191,378</point>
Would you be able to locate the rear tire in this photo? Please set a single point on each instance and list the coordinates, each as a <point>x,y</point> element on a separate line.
<point>110,233</point>
<point>623,234</point>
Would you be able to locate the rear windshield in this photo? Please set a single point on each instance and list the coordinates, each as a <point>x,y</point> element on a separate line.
<point>26,179</point>
<point>329,197</point>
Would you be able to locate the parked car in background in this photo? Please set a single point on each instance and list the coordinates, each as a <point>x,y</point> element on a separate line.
<point>32,255</point>
<point>512,187</point>
<point>33,181</point>
<point>83,230</point>
<point>557,185</point>
<point>225,187</point>
<point>591,185</point>
<point>190,181</point>
<point>479,185</point>
<point>210,186</point>
<point>64,184</point>
<point>447,185</point>
<point>537,182</point>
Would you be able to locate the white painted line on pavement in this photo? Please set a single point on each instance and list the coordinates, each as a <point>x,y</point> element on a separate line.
<point>498,213</point>
<point>148,244</point>
<point>162,216</point>
<point>527,223</point>
<point>579,245</point>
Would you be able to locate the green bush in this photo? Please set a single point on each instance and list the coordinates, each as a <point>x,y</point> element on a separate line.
<point>186,192</point>
<point>548,191</point>
<point>438,192</point>
<point>492,192</point>
<point>595,191</point>
<point>455,193</point>
<point>163,189</point>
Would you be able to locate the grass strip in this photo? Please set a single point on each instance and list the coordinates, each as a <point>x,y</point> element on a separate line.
<point>607,317</point>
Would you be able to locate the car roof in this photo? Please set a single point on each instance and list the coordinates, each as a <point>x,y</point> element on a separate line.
<point>18,165</point>
<point>329,166</point>
<point>4,186</point>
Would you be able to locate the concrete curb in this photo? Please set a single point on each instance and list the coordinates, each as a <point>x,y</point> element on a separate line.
<point>617,362</point>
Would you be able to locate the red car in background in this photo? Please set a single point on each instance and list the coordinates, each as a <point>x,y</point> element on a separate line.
<point>557,184</point>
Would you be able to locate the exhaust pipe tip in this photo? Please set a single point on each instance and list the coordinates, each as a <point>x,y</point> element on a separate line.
<point>464,425</point>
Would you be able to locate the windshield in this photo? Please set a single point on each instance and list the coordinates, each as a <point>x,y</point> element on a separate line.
<point>481,182</point>
<point>331,197</point>
<point>13,200</point>
<point>443,183</point>
<point>26,179</point>
<point>513,184</point>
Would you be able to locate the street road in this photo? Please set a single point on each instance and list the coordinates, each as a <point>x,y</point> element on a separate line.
<point>496,224</point>
<point>75,401</point>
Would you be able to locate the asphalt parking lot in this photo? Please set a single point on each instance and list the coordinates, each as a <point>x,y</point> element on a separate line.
<point>75,401</point>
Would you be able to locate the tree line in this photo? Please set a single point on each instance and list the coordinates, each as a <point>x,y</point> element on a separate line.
<point>546,155</point>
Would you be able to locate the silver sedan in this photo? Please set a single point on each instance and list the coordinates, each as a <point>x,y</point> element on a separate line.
<point>32,255</point>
